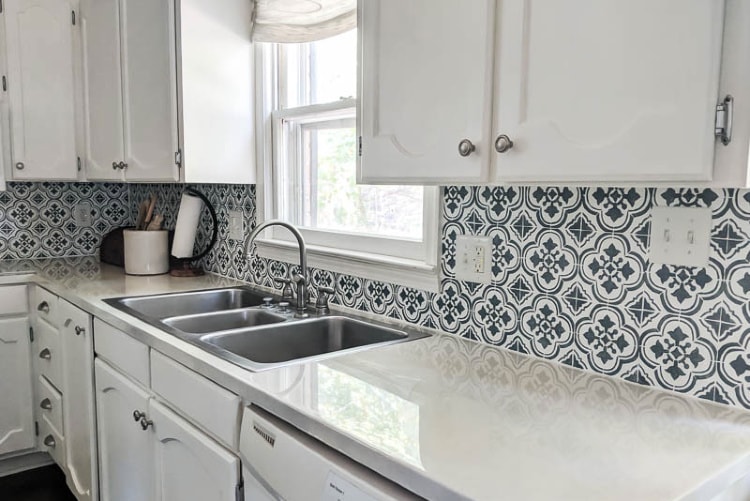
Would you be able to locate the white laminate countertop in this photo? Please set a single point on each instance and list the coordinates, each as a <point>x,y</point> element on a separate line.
<point>451,419</point>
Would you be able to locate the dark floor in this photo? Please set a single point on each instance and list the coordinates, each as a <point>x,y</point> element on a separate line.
<point>42,484</point>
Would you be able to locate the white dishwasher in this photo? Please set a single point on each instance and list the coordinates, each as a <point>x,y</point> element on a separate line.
<point>280,462</point>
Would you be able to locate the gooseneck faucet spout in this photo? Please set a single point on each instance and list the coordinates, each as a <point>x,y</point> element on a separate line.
<point>301,279</point>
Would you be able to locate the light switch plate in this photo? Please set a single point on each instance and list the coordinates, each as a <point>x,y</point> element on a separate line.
<point>82,214</point>
<point>680,236</point>
<point>236,226</point>
<point>473,259</point>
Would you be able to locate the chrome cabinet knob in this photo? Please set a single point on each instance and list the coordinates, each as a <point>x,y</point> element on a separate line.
<point>46,404</point>
<point>466,148</point>
<point>503,143</point>
<point>145,423</point>
<point>45,354</point>
<point>20,165</point>
<point>43,307</point>
<point>138,415</point>
<point>79,330</point>
<point>49,441</point>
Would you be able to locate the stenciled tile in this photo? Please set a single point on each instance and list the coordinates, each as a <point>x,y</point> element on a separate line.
<point>36,219</point>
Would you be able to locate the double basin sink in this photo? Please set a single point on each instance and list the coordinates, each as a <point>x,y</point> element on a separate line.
<point>238,326</point>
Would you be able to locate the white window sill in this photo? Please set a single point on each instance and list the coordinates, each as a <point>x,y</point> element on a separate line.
<point>406,272</point>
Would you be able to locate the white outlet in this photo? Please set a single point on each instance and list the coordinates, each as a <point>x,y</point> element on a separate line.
<point>473,259</point>
<point>82,214</point>
<point>680,236</point>
<point>236,225</point>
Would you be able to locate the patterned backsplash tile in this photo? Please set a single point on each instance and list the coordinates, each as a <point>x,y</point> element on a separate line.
<point>36,219</point>
<point>571,281</point>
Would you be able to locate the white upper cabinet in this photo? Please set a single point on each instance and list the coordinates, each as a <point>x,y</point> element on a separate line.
<point>607,90</point>
<point>426,83</point>
<point>41,86</point>
<point>149,90</point>
<point>548,91</point>
<point>130,90</point>
<point>102,89</point>
<point>216,62</point>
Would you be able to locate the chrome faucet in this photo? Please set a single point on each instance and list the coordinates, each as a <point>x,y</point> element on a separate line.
<point>299,279</point>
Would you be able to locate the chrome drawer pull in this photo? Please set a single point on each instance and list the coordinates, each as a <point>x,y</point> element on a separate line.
<point>43,307</point>
<point>49,441</point>
<point>46,404</point>
<point>45,354</point>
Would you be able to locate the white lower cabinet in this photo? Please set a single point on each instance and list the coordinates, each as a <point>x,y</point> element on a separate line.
<point>16,415</point>
<point>79,419</point>
<point>189,465</point>
<point>126,462</point>
<point>149,452</point>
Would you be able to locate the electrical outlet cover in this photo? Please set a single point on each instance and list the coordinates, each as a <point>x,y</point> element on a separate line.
<point>236,226</point>
<point>82,214</point>
<point>473,259</point>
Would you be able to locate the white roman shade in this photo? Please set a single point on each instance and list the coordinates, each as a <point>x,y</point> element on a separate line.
<point>297,21</point>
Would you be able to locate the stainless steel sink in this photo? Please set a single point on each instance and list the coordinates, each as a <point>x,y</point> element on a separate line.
<point>223,321</point>
<point>300,340</point>
<point>188,303</point>
<point>231,324</point>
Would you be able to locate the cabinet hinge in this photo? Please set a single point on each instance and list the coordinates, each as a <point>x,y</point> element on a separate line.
<point>73,17</point>
<point>724,118</point>
<point>31,334</point>
<point>238,491</point>
<point>78,163</point>
<point>178,158</point>
<point>36,428</point>
<point>359,147</point>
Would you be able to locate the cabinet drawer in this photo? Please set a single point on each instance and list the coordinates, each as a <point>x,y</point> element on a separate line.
<point>47,353</point>
<point>51,441</point>
<point>13,300</point>
<point>49,404</point>
<point>197,398</point>
<point>122,351</point>
<point>44,306</point>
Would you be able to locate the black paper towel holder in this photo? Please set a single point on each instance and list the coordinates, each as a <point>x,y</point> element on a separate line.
<point>184,266</point>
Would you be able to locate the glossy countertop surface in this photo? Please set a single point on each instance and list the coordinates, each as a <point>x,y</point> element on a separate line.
<point>453,419</point>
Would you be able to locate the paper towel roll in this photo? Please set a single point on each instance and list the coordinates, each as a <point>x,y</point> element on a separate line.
<point>186,228</point>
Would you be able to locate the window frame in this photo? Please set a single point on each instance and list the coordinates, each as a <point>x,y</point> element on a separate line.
<point>403,263</point>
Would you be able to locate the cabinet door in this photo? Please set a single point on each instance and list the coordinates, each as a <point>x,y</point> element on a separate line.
<point>609,90</point>
<point>16,406</point>
<point>189,465</point>
<point>126,464</point>
<point>217,94</point>
<point>426,83</point>
<point>78,404</point>
<point>149,90</point>
<point>102,89</point>
<point>41,88</point>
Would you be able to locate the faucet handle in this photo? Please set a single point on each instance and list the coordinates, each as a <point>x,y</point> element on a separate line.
<point>287,292</point>
<point>299,278</point>
<point>321,304</point>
